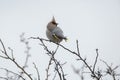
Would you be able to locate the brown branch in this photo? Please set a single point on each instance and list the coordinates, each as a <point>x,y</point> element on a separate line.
<point>4,57</point>
<point>50,54</point>
<point>37,71</point>
<point>42,39</point>
<point>4,50</point>
<point>12,73</point>
<point>11,53</point>
<point>47,70</point>
<point>73,52</point>
<point>54,76</point>
<point>13,60</point>
<point>57,69</point>
<point>57,64</point>
<point>95,60</point>
<point>4,78</point>
<point>111,71</point>
<point>23,40</point>
<point>78,48</point>
<point>79,72</point>
<point>94,74</point>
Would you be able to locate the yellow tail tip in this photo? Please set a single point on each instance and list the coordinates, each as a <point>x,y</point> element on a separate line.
<point>66,39</point>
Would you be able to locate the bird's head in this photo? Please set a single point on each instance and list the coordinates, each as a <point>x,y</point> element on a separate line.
<point>53,21</point>
<point>52,24</point>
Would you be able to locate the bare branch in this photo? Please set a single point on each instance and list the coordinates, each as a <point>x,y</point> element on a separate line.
<point>78,50</point>
<point>13,60</point>
<point>4,57</point>
<point>95,60</point>
<point>47,70</point>
<point>57,64</point>
<point>79,72</point>
<point>37,71</point>
<point>73,52</point>
<point>4,50</point>
<point>11,53</point>
<point>12,73</point>
<point>58,69</point>
<point>23,40</point>
<point>4,78</point>
<point>111,71</point>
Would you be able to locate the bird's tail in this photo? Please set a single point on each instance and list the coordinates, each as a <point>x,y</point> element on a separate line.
<point>66,39</point>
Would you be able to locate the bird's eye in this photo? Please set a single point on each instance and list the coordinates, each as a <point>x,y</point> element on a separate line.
<point>55,23</point>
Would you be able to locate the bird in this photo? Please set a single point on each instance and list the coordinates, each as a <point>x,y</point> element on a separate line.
<point>54,33</point>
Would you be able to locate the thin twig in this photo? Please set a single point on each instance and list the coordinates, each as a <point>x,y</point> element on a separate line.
<point>4,78</point>
<point>95,61</point>
<point>11,53</point>
<point>37,71</point>
<point>4,57</point>
<point>47,70</point>
<point>111,71</point>
<point>23,40</point>
<point>75,53</point>
<point>13,73</point>
<point>13,60</point>
<point>4,50</point>
<point>52,58</point>
<point>78,48</point>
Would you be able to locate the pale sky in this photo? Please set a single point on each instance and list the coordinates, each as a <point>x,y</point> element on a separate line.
<point>95,23</point>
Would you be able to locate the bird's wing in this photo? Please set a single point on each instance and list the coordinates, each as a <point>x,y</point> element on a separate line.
<point>58,33</point>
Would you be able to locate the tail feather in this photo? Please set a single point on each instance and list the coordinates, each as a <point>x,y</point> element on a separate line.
<point>66,39</point>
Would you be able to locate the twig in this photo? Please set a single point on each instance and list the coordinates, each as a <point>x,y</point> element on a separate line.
<point>4,50</point>
<point>4,57</point>
<point>79,72</point>
<point>13,73</point>
<point>75,53</point>
<point>11,53</point>
<point>37,71</point>
<point>58,65</point>
<point>47,70</point>
<point>54,76</point>
<point>95,61</point>
<point>78,48</point>
<point>4,78</point>
<point>23,40</point>
<point>13,60</point>
<point>111,71</point>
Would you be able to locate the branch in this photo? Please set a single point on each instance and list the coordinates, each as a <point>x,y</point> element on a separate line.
<point>12,73</point>
<point>4,78</point>
<point>57,64</point>
<point>23,40</point>
<point>79,72</point>
<point>47,70</point>
<point>37,71</point>
<point>78,48</point>
<point>13,60</point>
<point>95,60</point>
<point>73,52</point>
<point>111,71</point>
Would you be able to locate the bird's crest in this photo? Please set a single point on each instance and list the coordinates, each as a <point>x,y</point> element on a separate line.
<point>54,21</point>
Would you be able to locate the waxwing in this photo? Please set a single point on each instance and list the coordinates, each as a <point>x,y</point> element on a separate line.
<point>54,33</point>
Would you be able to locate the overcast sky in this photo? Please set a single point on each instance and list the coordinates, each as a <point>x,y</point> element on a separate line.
<point>95,23</point>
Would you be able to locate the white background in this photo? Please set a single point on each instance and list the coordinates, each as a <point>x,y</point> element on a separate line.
<point>95,23</point>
